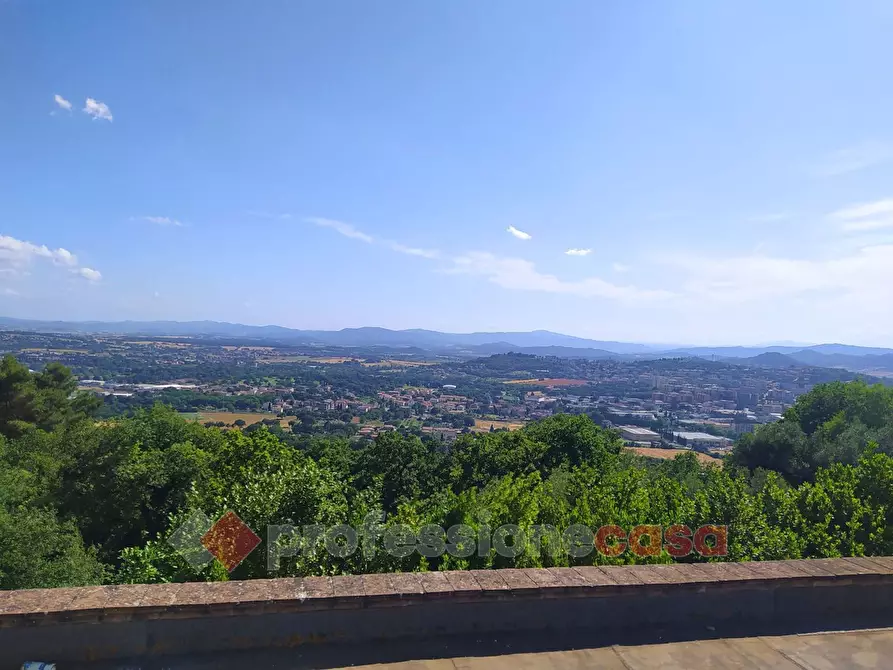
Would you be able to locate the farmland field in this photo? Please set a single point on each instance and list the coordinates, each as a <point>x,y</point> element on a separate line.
<point>484,424</point>
<point>398,363</point>
<point>672,453</point>
<point>560,381</point>
<point>153,343</point>
<point>334,359</point>
<point>229,418</point>
<point>298,358</point>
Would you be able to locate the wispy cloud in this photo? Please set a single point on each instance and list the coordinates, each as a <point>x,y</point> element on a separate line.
<point>520,234</point>
<point>17,255</point>
<point>413,251</point>
<point>578,252</point>
<point>90,274</point>
<point>348,230</point>
<point>853,159</point>
<point>62,102</point>
<point>341,228</point>
<point>11,292</point>
<point>160,220</point>
<point>620,267</point>
<point>858,275</point>
<point>522,275</point>
<point>868,225</point>
<point>98,110</point>
<point>868,216</point>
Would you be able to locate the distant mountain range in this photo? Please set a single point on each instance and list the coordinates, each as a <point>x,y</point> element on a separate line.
<point>348,337</point>
<point>538,342</point>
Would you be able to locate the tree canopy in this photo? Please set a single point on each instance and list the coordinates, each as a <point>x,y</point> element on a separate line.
<point>86,500</point>
<point>833,423</point>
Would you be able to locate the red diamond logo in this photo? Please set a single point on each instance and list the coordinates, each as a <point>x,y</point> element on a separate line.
<point>230,540</point>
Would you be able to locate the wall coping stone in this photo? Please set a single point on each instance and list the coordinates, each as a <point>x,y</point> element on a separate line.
<point>121,603</point>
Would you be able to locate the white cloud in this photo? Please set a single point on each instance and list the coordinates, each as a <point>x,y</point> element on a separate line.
<point>868,225</point>
<point>578,252</point>
<point>342,228</point>
<point>350,231</point>
<point>98,110</point>
<point>11,292</point>
<point>519,274</point>
<point>620,267</point>
<point>64,257</point>
<point>520,234</point>
<point>89,274</point>
<point>866,216</point>
<point>62,102</point>
<point>864,210</point>
<point>16,255</point>
<point>161,220</point>
<point>860,275</point>
<point>853,159</point>
<point>413,251</point>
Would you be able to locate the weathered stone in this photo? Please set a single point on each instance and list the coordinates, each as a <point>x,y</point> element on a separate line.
<point>462,580</point>
<point>406,583</point>
<point>435,583</point>
<point>621,574</point>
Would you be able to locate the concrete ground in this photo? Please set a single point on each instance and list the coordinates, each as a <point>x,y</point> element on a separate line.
<point>715,649</point>
<point>813,651</point>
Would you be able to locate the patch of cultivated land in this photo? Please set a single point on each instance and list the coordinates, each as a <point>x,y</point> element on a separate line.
<point>327,360</point>
<point>651,452</point>
<point>549,381</point>
<point>484,424</point>
<point>229,418</point>
<point>398,363</point>
<point>152,343</point>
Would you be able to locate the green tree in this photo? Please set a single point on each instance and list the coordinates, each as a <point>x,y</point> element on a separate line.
<point>37,549</point>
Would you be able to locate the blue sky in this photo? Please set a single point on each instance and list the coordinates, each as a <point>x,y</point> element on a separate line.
<point>722,170</point>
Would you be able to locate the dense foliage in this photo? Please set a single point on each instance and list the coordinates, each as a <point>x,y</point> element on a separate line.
<point>87,500</point>
<point>831,424</point>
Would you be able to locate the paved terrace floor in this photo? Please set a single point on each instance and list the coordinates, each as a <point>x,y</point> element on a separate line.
<point>855,649</point>
<point>818,651</point>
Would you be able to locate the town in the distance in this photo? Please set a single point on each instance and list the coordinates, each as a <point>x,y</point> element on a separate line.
<point>358,383</point>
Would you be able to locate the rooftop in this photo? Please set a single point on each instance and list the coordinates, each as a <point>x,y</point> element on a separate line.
<point>698,437</point>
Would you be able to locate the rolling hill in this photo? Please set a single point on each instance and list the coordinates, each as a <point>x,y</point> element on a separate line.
<point>539,342</point>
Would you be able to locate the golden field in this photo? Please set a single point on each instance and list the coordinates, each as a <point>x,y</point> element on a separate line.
<point>229,418</point>
<point>560,381</point>
<point>484,424</point>
<point>651,452</point>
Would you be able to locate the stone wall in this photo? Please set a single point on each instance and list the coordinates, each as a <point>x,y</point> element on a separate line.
<point>138,621</point>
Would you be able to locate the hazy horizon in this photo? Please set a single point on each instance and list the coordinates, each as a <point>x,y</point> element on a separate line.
<point>650,343</point>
